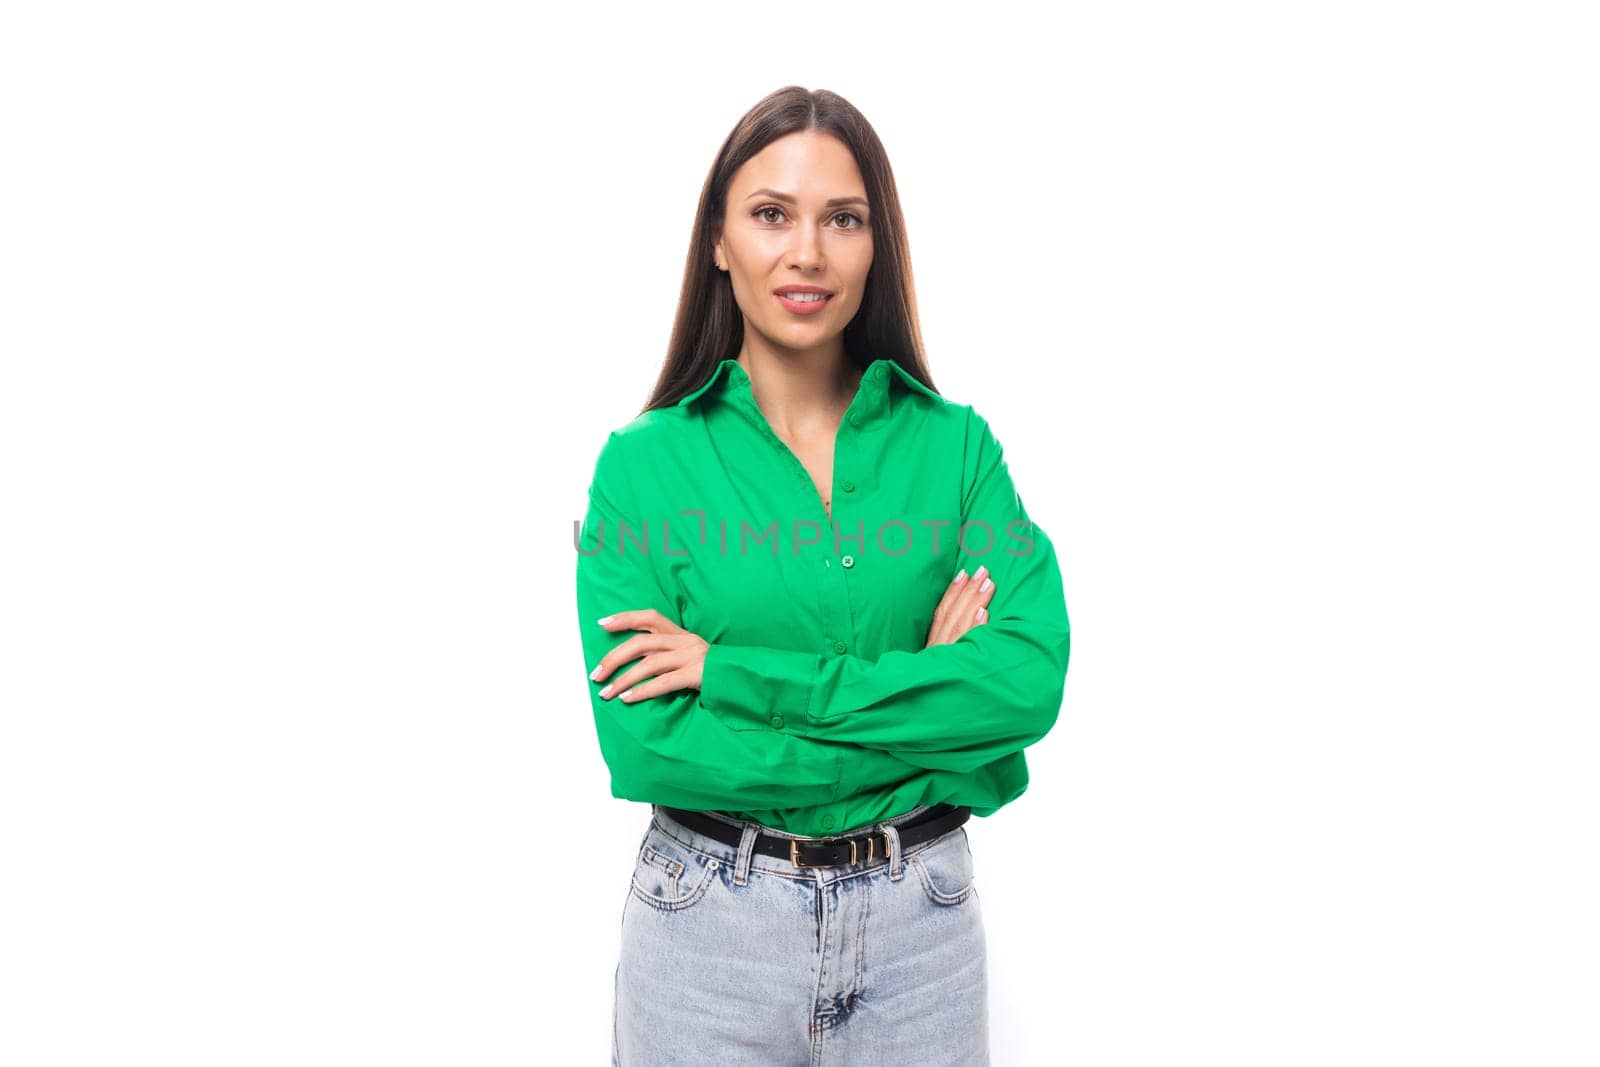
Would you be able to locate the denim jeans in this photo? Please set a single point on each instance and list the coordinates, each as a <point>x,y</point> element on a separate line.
<point>733,957</point>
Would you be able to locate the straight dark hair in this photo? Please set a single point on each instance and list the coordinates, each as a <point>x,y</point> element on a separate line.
<point>709,327</point>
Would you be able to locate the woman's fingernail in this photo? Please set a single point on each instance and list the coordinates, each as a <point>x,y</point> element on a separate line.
<point>986,586</point>
<point>594,675</point>
<point>981,613</point>
<point>628,695</point>
<point>606,691</point>
<point>961,575</point>
<point>981,571</point>
<point>607,620</point>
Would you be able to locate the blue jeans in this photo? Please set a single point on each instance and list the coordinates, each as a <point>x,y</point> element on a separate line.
<point>733,957</point>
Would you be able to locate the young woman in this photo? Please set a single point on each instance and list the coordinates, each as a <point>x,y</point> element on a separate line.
<point>822,630</point>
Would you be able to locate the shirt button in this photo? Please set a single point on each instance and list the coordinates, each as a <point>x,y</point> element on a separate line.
<point>855,420</point>
<point>827,822</point>
<point>849,561</point>
<point>838,646</point>
<point>777,722</point>
<point>848,486</point>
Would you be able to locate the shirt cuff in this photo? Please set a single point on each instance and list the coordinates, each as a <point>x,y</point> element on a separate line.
<point>751,687</point>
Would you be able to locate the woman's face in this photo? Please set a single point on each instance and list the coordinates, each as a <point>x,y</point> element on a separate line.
<point>797,215</point>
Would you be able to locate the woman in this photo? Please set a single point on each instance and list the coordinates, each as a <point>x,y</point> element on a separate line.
<point>784,583</point>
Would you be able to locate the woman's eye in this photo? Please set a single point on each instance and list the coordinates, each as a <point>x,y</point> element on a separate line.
<point>761,213</point>
<point>849,215</point>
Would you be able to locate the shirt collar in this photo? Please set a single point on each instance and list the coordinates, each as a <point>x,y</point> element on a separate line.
<point>877,372</point>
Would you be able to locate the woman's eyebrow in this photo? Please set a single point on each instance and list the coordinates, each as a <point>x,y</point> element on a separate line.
<point>838,201</point>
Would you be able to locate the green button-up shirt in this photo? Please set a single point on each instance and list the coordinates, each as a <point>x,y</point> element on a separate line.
<point>819,709</point>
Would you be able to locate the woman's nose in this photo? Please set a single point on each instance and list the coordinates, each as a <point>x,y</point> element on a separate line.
<point>806,249</point>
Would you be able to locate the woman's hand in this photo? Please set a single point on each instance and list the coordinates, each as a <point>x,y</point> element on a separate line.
<point>673,657</point>
<point>965,604</point>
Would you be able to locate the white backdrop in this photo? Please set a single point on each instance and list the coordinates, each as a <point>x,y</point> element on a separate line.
<point>315,315</point>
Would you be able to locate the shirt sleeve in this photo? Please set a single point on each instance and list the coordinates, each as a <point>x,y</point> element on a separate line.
<point>671,749</point>
<point>958,706</point>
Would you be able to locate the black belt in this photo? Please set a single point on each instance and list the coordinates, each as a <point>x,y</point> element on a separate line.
<point>830,851</point>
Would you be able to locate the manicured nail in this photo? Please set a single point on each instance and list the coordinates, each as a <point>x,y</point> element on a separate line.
<point>628,696</point>
<point>961,575</point>
<point>986,586</point>
<point>981,571</point>
<point>981,613</point>
<point>594,675</point>
<point>606,692</point>
<point>607,620</point>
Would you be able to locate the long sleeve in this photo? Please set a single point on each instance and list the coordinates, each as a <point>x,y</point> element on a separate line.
<point>958,706</point>
<point>670,749</point>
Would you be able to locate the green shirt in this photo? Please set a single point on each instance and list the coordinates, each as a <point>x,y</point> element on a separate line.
<point>819,709</point>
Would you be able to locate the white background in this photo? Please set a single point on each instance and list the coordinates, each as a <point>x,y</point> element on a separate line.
<point>315,315</point>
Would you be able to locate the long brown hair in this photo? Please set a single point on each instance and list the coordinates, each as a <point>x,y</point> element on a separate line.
<point>709,326</point>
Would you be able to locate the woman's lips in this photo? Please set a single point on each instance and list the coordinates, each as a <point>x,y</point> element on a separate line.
<point>802,307</point>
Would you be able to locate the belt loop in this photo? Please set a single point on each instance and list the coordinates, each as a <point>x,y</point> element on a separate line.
<point>747,850</point>
<point>893,835</point>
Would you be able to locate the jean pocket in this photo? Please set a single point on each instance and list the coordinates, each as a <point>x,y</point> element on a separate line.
<point>945,869</point>
<point>669,877</point>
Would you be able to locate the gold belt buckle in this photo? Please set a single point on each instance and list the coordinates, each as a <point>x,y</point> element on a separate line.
<point>794,851</point>
<point>872,840</point>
